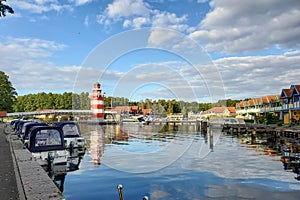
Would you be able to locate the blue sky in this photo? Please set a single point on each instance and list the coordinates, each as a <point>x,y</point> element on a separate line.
<point>193,50</point>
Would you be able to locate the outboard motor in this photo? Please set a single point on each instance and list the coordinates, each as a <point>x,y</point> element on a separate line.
<point>51,156</point>
<point>71,147</point>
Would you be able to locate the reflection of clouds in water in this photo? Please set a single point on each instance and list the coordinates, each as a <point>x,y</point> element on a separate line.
<point>238,191</point>
<point>147,150</point>
<point>230,160</point>
<point>158,194</point>
<point>133,162</point>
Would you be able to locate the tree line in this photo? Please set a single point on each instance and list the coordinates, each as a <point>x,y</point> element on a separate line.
<point>11,102</point>
<point>42,101</point>
<point>69,100</point>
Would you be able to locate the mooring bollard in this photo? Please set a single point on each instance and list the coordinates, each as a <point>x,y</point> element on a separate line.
<point>198,125</point>
<point>204,127</point>
<point>253,136</point>
<point>120,187</point>
<point>211,140</point>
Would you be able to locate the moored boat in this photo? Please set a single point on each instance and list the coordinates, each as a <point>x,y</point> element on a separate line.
<point>72,136</point>
<point>47,146</point>
<point>26,129</point>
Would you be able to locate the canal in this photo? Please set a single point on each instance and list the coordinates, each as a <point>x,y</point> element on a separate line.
<point>174,162</point>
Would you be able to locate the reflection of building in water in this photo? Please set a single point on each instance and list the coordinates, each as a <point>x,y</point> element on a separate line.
<point>97,143</point>
<point>121,134</point>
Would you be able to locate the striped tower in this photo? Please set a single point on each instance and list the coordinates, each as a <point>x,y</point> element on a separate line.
<point>97,103</point>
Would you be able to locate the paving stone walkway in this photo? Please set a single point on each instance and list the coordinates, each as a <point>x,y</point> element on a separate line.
<point>8,183</point>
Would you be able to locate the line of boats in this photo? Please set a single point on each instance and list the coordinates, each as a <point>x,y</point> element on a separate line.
<point>58,148</point>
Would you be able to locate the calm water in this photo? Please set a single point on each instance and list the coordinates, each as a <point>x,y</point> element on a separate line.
<point>175,162</point>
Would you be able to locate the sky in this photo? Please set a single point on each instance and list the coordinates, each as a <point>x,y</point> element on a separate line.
<point>191,50</point>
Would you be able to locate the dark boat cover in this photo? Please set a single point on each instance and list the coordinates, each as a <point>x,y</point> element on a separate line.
<point>46,138</point>
<point>70,129</point>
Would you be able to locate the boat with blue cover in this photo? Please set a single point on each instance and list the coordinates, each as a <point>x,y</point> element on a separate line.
<point>72,136</point>
<point>46,143</point>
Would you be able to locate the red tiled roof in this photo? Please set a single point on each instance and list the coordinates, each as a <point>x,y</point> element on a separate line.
<point>256,100</point>
<point>273,97</point>
<point>134,107</point>
<point>240,104</point>
<point>231,109</point>
<point>288,92</point>
<point>3,113</point>
<point>265,100</point>
<point>251,102</point>
<point>120,109</point>
<point>297,88</point>
<point>146,111</point>
<point>220,110</point>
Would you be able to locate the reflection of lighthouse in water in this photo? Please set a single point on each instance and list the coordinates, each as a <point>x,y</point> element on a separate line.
<point>97,143</point>
<point>97,103</point>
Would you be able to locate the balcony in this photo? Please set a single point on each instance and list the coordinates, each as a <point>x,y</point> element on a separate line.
<point>285,107</point>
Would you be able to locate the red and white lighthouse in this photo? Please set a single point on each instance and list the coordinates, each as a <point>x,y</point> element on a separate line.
<point>97,103</point>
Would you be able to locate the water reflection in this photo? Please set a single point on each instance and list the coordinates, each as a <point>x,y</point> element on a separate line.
<point>58,172</point>
<point>178,162</point>
<point>96,145</point>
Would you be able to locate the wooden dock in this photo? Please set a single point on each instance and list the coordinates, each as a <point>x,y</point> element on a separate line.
<point>292,133</point>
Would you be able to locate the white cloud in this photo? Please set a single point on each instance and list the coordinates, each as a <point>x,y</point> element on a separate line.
<point>253,76</point>
<point>292,53</point>
<point>126,8</point>
<point>42,6</point>
<point>234,26</point>
<point>158,37</point>
<point>137,13</point>
<point>169,20</point>
<point>81,2</point>
<point>202,1</point>
<point>24,60</point>
<point>120,9</point>
<point>241,77</point>
<point>86,21</point>
<point>136,22</point>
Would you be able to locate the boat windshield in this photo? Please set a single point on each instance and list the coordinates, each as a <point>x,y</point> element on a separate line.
<point>47,138</point>
<point>70,130</point>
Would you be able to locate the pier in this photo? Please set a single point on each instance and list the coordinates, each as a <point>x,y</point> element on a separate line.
<point>272,130</point>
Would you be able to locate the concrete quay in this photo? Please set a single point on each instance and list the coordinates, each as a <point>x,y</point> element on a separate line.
<point>24,177</point>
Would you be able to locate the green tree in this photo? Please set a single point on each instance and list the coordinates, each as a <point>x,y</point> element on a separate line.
<point>148,104</point>
<point>176,106</point>
<point>7,93</point>
<point>170,107</point>
<point>85,103</point>
<point>5,8</point>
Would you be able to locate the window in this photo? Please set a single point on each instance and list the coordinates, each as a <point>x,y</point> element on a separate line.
<point>47,138</point>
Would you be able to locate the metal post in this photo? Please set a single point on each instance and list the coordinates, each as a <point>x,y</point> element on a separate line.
<point>120,187</point>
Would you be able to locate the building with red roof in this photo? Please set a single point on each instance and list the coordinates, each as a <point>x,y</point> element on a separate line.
<point>219,112</point>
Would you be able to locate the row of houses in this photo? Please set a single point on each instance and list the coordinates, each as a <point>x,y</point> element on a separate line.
<point>249,108</point>
<point>285,105</point>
